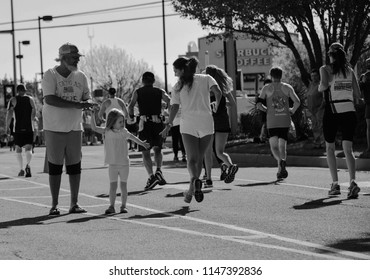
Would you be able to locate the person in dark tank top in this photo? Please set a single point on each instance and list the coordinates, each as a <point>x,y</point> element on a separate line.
<point>23,109</point>
<point>149,100</point>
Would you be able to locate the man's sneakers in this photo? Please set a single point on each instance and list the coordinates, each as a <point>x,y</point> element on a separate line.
<point>283,173</point>
<point>28,171</point>
<point>334,189</point>
<point>353,190</point>
<point>223,172</point>
<point>161,180</point>
<point>151,183</point>
<point>231,173</point>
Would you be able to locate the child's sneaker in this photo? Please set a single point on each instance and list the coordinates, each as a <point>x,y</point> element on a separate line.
<point>353,190</point>
<point>110,210</point>
<point>161,180</point>
<point>223,172</point>
<point>231,174</point>
<point>28,171</point>
<point>151,183</point>
<point>334,189</point>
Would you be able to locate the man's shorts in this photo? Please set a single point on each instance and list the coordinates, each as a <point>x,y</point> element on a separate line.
<point>63,147</point>
<point>23,138</point>
<point>279,132</point>
<point>151,134</point>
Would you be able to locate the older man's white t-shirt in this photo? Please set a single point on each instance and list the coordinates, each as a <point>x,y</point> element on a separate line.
<point>73,88</point>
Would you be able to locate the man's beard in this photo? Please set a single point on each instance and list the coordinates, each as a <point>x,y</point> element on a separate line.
<point>72,68</point>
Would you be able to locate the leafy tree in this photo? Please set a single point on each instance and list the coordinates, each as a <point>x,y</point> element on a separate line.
<point>113,67</point>
<point>316,21</point>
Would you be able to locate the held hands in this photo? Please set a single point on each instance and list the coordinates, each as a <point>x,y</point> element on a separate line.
<point>146,145</point>
<point>89,106</point>
<point>164,132</point>
<point>214,106</point>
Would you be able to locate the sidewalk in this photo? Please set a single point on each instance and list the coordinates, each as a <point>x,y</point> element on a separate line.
<point>258,155</point>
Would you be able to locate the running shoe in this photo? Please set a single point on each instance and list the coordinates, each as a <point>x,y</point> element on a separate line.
<point>161,180</point>
<point>123,209</point>
<point>28,171</point>
<point>334,189</point>
<point>283,172</point>
<point>199,196</point>
<point>151,183</point>
<point>183,159</point>
<point>223,172</point>
<point>188,196</point>
<point>21,173</point>
<point>231,174</point>
<point>353,190</point>
<point>208,184</point>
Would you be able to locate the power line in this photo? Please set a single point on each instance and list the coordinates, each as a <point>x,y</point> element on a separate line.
<point>93,12</point>
<point>93,23</point>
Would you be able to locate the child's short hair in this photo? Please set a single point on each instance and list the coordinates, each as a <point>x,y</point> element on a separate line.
<point>112,117</point>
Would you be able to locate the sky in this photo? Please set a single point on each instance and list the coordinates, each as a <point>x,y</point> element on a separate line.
<point>143,39</point>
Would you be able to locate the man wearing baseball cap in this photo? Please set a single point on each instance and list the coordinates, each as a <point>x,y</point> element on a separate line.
<point>66,93</point>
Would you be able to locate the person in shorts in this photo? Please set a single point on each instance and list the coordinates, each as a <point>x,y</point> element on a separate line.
<point>192,91</point>
<point>66,93</point>
<point>149,99</point>
<point>22,107</point>
<point>278,116</point>
<point>341,93</point>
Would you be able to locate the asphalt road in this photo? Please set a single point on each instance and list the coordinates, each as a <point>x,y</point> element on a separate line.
<point>253,218</point>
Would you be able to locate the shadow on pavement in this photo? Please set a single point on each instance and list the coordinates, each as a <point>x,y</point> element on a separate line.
<point>318,203</point>
<point>181,212</point>
<point>28,221</point>
<point>361,244</point>
<point>259,184</point>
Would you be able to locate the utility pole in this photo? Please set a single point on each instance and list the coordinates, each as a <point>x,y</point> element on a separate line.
<point>231,70</point>
<point>14,56</point>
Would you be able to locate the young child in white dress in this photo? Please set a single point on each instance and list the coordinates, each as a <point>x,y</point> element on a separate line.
<point>116,155</point>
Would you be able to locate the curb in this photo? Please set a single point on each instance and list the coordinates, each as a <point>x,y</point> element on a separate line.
<point>264,160</point>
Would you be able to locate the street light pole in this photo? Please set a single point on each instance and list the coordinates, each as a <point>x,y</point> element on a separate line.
<point>164,48</point>
<point>13,35</point>
<point>44,18</point>
<point>20,56</point>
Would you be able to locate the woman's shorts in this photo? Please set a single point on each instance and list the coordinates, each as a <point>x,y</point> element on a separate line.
<point>197,126</point>
<point>367,111</point>
<point>344,122</point>
<point>222,123</point>
<point>279,132</point>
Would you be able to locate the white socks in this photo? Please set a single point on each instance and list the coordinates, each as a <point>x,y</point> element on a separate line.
<point>28,156</point>
<point>19,160</point>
